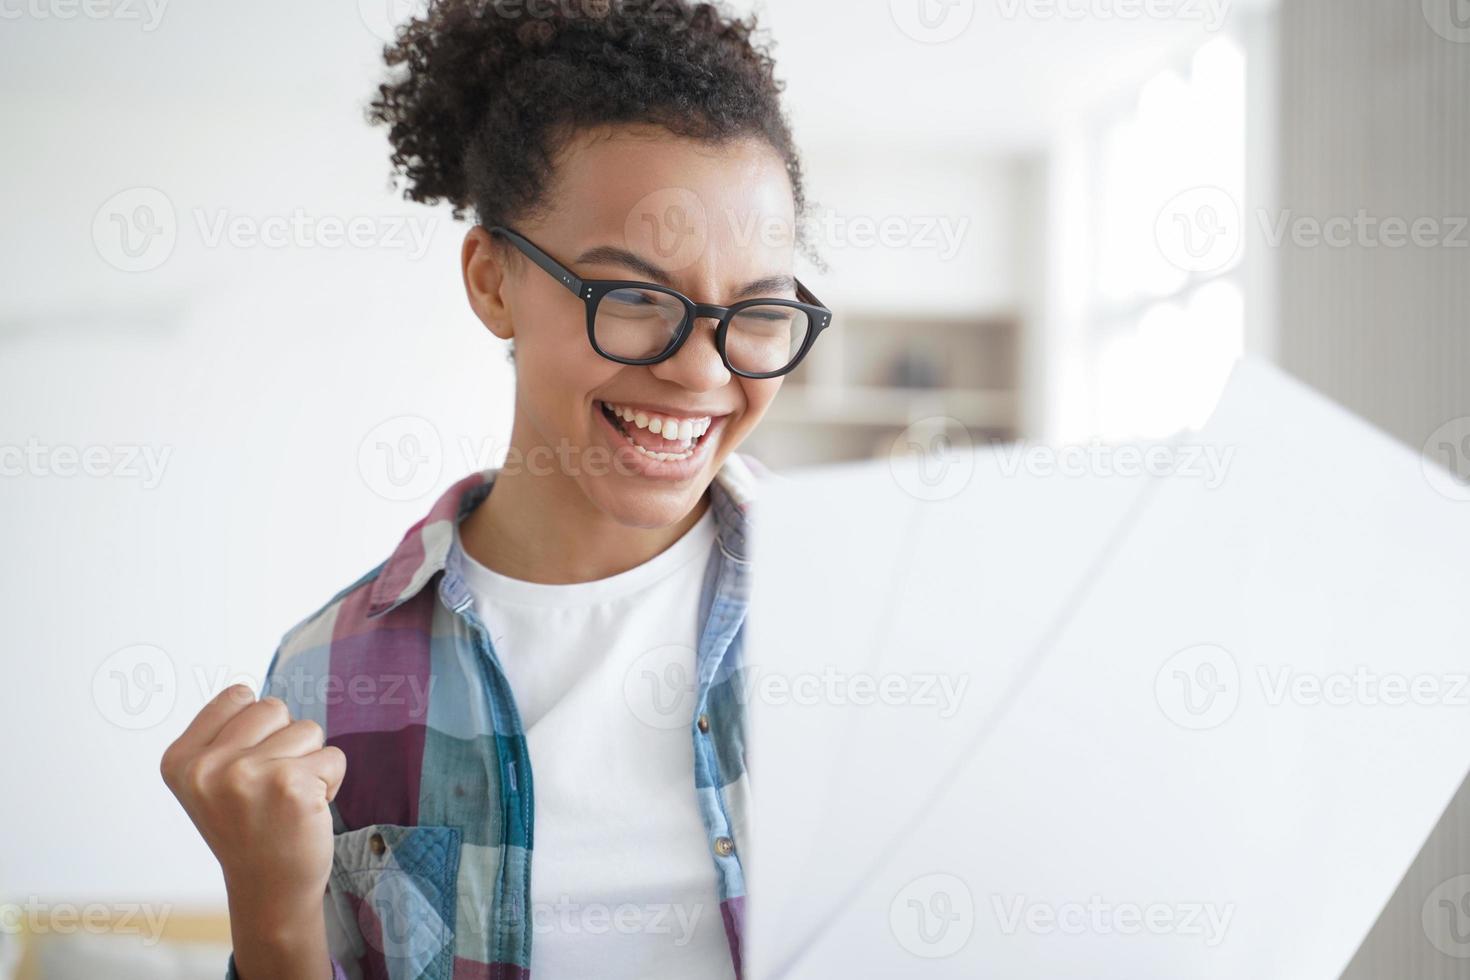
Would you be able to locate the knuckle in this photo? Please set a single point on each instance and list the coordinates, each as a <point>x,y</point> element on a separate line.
<point>235,778</point>
<point>274,705</point>
<point>272,710</point>
<point>287,787</point>
<point>168,764</point>
<point>239,694</point>
<point>282,780</point>
<point>194,777</point>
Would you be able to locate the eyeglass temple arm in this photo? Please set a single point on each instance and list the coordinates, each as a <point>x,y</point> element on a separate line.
<point>807,296</point>
<point>553,268</point>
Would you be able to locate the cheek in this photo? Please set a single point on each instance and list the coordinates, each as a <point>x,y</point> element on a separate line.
<point>552,329</point>
<point>758,398</point>
<point>556,367</point>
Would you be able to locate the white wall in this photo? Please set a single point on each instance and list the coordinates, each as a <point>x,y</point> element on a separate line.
<point>259,370</point>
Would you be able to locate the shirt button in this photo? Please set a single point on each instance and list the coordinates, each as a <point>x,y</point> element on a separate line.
<point>704,724</point>
<point>376,845</point>
<point>724,846</point>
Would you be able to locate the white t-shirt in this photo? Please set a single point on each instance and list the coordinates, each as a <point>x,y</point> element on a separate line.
<point>622,880</point>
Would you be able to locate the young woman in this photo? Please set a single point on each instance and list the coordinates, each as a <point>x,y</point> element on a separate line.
<point>577,613</point>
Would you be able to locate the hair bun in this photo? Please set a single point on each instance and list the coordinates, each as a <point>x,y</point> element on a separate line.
<point>481,91</point>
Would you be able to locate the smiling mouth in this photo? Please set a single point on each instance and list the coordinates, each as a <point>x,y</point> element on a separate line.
<point>660,438</point>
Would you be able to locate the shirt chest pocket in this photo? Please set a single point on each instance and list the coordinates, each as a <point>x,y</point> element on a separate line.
<point>391,901</point>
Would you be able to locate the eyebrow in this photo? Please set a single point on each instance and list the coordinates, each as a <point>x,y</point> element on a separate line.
<point>612,255</point>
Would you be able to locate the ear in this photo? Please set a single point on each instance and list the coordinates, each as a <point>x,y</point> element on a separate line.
<point>484,262</point>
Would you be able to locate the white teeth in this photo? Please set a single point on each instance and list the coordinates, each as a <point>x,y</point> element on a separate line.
<point>682,430</point>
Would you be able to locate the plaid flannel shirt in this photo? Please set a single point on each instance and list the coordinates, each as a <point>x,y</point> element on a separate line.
<point>431,873</point>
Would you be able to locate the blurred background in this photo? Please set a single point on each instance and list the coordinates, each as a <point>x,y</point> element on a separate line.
<point>235,365</point>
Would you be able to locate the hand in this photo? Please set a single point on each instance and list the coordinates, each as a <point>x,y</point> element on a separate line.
<point>257,786</point>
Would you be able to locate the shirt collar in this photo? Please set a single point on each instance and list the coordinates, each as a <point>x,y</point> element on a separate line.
<point>425,548</point>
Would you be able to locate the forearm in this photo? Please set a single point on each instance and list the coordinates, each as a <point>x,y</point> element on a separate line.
<point>279,940</point>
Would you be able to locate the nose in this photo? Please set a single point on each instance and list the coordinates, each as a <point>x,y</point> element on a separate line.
<point>696,365</point>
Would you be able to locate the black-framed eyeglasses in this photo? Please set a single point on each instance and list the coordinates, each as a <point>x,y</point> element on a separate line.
<point>635,322</point>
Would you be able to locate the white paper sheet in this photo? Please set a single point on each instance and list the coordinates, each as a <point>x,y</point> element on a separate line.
<point>983,740</point>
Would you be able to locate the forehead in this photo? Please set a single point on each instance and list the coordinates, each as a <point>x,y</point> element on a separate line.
<point>678,201</point>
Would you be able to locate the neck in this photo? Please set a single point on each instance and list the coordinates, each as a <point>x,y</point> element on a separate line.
<point>541,527</point>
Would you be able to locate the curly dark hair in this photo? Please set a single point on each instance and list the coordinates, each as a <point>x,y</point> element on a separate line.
<point>485,92</point>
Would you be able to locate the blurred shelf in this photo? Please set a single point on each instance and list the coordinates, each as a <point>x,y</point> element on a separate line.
<point>877,374</point>
<point>997,318</point>
<point>873,405</point>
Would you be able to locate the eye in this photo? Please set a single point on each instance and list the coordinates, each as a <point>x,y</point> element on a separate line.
<point>634,297</point>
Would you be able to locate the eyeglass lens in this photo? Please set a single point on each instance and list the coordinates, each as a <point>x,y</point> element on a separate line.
<point>641,323</point>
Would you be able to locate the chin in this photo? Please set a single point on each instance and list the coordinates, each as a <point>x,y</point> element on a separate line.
<point>636,502</point>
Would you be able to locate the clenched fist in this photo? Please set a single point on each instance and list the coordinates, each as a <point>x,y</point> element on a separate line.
<point>258,785</point>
